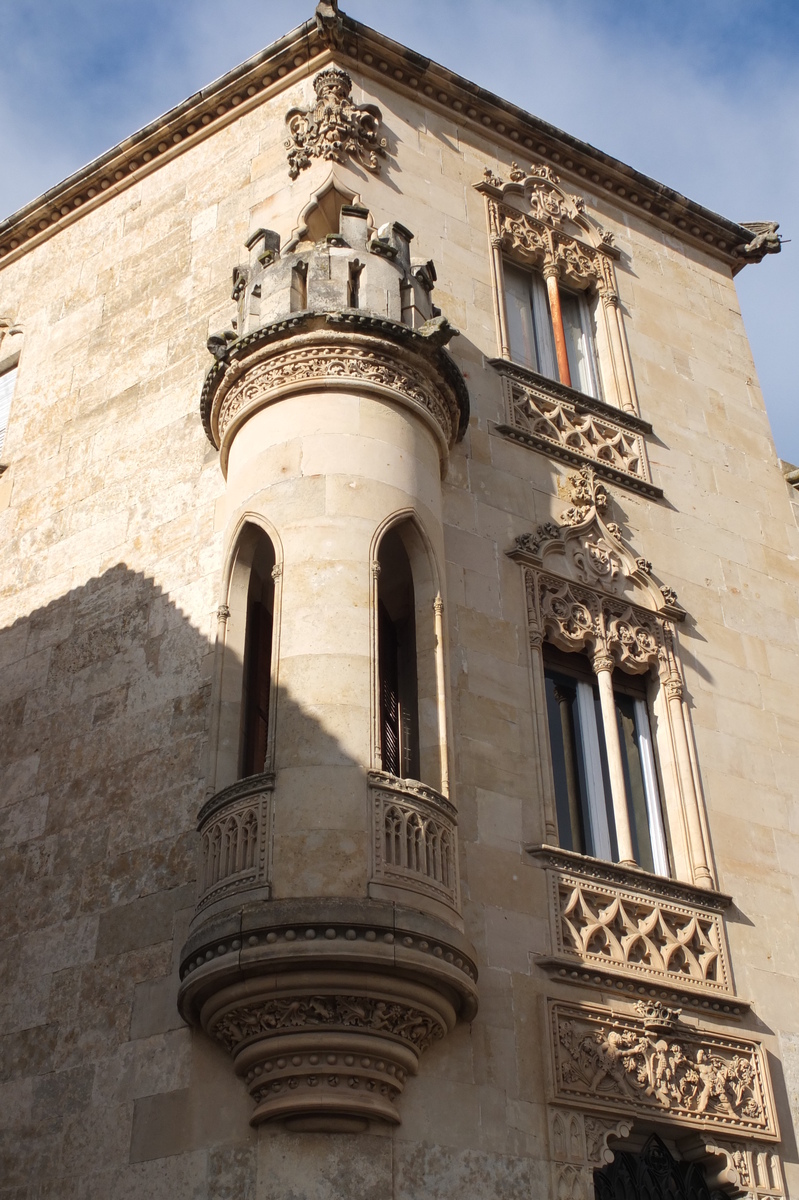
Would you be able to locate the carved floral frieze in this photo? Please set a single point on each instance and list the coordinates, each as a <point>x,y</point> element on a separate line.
<point>334,127</point>
<point>304,365</point>
<point>649,1062</point>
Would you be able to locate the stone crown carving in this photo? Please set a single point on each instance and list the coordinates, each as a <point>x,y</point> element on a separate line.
<point>334,127</point>
<point>648,1062</point>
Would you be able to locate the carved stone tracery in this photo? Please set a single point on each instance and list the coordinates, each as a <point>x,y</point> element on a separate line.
<point>548,416</point>
<point>414,838</point>
<point>637,929</point>
<point>334,127</point>
<point>597,596</point>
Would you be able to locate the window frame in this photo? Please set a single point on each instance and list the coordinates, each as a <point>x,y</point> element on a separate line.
<point>544,360</point>
<point>533,223</point>
<point>596,823</point>
<point>588,593</point>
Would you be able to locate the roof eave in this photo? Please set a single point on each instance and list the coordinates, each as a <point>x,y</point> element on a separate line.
<point>301,52</point>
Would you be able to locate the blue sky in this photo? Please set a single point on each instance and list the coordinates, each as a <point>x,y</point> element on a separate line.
<point>701,94</point>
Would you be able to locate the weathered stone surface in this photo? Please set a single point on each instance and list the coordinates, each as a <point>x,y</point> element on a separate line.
<point>116,529</point>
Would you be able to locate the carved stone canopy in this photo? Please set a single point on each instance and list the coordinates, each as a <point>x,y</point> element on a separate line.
<point>585,547</point>
<point>537,222</point>
<point>334,127</point>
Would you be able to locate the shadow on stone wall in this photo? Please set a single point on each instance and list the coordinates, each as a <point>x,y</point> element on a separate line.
<point>103,715</point>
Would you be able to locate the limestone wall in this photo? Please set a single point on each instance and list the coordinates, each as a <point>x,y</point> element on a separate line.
<point>114,523</point>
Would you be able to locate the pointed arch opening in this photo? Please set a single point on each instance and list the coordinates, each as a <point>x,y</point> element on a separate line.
<point>411,728</point>
<point>243,737</point>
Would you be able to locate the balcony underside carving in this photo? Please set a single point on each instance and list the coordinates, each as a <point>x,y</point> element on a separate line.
<point>326,1005</point>
<point>613,927</point>
<point>647,1063</point>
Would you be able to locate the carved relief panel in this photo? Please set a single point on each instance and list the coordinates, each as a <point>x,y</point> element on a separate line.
<point>647,1062</point>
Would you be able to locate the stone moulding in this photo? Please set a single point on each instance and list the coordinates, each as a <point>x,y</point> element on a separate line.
<point>414,838</point>
<point>646,1062</point>
<point>564,424</point>
<point>319,351</point>
<point>325,1004</point>
<point>636,932</point>
<point>235,828</point>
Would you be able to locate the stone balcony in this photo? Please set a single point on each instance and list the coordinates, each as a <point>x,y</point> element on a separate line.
<point>639,934</point>
<point>327,1003</point>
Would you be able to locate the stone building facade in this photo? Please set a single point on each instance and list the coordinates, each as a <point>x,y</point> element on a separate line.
<point>398,728</point>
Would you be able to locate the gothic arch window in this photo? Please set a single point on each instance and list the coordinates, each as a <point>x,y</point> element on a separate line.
<point>556,300</point>
<point>615,747</point>
<point>411,738</point>
<point>399,691</point>
<point>257,674</point>
<point>246,660</point>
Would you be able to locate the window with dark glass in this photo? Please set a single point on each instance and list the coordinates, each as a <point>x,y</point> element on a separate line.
<point>258,659</point>
<point>399,718</point>
<point>580,765</point>
<point>532,333</point>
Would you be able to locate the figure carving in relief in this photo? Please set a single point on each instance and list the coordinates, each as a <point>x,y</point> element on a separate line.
<point>334,127</point>
<point>651,1063</point>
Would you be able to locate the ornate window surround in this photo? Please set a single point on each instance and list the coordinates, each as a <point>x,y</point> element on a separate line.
<point>535,223</point>
<point>587,591</point>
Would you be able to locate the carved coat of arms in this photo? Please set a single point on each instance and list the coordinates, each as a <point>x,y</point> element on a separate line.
<point>334,127</point>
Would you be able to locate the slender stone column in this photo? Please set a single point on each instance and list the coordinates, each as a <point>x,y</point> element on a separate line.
<point>701,870</point>
<point>551,276</point>
<point>619,353</point>
<point>499,297</point>
<point>441,694</point>
<point>603,668</point>
<point>540,717</point>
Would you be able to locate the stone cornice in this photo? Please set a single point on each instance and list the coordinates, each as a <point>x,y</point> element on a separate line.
<point>302,52</point>
<point>310,350</point>
<point>630,877</point>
